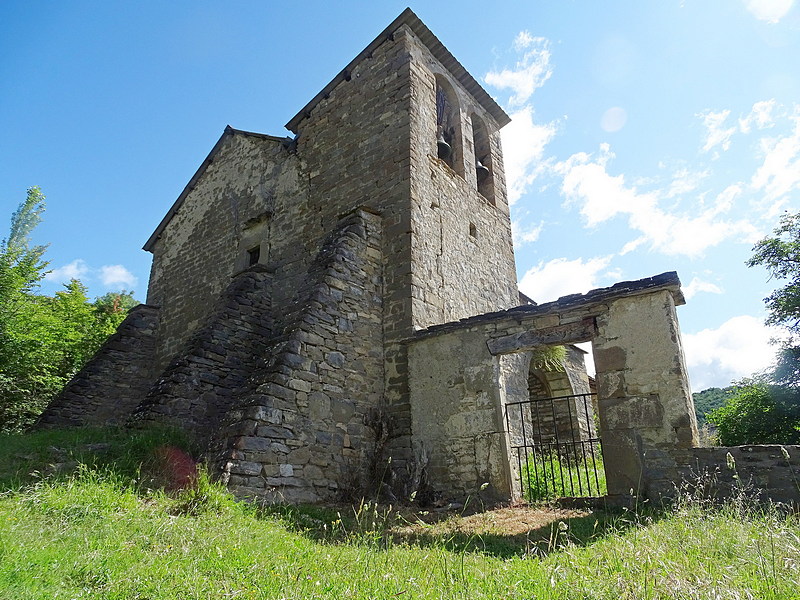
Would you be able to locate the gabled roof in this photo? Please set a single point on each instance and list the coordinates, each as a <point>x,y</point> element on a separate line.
<point>229,131</point>
<point>442,54</point>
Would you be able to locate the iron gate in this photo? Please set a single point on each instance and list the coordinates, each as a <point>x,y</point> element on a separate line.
<point>556,447</point>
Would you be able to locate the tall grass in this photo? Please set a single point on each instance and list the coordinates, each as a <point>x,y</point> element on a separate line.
<point>96,534</point>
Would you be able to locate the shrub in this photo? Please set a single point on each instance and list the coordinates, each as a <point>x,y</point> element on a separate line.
<point>759,414</point>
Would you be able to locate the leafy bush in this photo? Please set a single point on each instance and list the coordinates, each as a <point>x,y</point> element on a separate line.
<point>759,414</point>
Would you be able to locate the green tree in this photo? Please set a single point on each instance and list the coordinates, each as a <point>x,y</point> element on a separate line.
<point>44,340</point>
<point>21,269</point>
<point>780,255</point>
<point>710,399</point>
<point>767,409</point>
<point>758,414</point>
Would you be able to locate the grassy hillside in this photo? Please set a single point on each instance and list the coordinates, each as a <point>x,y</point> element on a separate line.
<point>104,532</point>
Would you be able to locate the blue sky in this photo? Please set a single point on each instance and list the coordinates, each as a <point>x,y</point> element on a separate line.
<point>646,136</point>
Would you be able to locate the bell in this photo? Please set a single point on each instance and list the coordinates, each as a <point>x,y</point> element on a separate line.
<point>483,171</point>
<point>443,149</point>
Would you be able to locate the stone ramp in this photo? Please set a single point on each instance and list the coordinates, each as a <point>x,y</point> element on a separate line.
<point>114,381</point>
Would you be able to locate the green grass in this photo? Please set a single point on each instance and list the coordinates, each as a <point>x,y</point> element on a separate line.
<point>548,476</point>
<point>56,454</point>
<point>97,534</point>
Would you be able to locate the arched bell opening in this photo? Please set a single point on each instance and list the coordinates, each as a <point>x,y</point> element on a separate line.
<point>483,158</point>
<point>448,126</point>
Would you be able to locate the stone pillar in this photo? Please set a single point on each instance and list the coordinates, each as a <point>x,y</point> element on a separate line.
<point>457,415</point>
<point>645,404</point>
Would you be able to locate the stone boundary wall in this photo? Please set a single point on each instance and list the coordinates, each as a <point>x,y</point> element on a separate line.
<point>114,381</point>
<point>768,472</point>
<point>304,434</point>
<point>202,383</point>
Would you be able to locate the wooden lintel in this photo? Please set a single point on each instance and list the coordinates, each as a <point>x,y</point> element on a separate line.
<point>571,333</point>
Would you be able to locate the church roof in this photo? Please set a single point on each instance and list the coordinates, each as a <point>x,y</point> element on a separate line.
<point>442,54</point>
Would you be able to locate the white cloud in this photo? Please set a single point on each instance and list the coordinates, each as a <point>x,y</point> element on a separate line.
<point>524,140</point>
<point>760,116</point>
<point>770,11</point>
<point>697,285</point>
<point>560,277</point>
<point>117,276</point>
<point>738,348</point>
<point>111,276</point>
<point>603,196</point>
<point>74,270</point>
<point>779,173</point>
<point>523,149</point>
<point>684,181</point>
<point>524,40</point>
<point>727,196</point>
<point>716,132</point>
<point>525,235</point>
<point>530,72</point>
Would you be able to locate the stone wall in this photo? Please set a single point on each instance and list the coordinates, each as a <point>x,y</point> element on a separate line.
<point>203,240</point>
<point>461,248</point>
<point>114,381</point>
<point>355,146</point>
<point>212,371</point>
<point>645,406</point>
<point>307,432</point>
<point>457,415</point>
<point>763,472</point>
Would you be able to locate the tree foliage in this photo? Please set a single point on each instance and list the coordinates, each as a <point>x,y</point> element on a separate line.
<point>44,340</point>
<point>710,399</point>
<point>780,255</point>
<point>767,410</point>
<point>758,414</point>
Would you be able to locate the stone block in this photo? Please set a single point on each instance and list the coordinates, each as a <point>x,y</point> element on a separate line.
<point>610,359</point>
<point>274,432</point>
<point>245,468</point>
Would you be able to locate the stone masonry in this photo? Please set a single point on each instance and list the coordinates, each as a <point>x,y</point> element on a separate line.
<point>336,313</point>
<point>114,381</point>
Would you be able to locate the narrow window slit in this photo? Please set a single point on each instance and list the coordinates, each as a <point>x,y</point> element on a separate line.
<point>253,256</point>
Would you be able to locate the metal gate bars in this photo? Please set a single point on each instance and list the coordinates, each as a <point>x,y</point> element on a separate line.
<point>556,448</point>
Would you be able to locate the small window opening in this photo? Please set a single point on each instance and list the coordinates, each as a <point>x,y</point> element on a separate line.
<point>253,256</point>
<point>473,231</point>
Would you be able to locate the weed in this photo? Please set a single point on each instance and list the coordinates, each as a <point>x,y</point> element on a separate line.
<point>203,496</point>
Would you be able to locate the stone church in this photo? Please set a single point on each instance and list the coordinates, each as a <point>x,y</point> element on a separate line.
<point>337,311</point>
